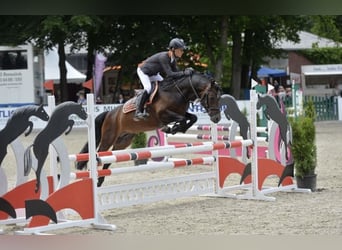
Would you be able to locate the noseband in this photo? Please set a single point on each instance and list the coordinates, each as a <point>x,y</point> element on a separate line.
<point>204,100</point>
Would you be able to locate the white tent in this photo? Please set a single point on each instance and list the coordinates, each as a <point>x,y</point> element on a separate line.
<point>306,41</point>
<point>51,69</point>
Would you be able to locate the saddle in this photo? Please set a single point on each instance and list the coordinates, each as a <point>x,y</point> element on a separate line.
<point>130,105</point>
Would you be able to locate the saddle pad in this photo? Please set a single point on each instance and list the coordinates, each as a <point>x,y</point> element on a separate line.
<point>130,105</point>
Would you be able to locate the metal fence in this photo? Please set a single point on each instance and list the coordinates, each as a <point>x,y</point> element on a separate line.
<point>326,107</point>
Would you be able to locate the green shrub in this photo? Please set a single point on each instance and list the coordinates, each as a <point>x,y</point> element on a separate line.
<point>139,141</point>
<point>303,146</point>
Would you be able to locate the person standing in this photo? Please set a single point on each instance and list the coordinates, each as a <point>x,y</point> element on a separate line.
<point>81,97</point>
<point>121,99</point>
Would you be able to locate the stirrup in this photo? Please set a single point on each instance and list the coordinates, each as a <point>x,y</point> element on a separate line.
<point>145,114</point>
<point>138,116</point>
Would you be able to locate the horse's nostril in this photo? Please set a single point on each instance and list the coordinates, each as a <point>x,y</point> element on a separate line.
<point>216,118</point>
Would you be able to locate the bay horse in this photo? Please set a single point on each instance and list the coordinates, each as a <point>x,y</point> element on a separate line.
<point>168,104</point>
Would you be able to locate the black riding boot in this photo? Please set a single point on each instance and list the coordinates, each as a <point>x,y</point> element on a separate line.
<point>141,99</point>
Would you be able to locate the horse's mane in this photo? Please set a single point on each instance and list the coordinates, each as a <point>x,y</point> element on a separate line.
<point>170,82</point>
<point>26,110</point>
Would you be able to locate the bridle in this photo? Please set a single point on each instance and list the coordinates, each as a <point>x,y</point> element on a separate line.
<point>193,89</point>
<point>204,100</point>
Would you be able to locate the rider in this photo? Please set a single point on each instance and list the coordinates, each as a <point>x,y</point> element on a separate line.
<point>162,63</point>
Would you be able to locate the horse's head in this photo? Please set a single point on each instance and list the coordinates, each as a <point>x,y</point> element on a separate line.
<point>72,108</point>
<point>210,100</point>
<point>80,112</point>
<point>41,113</point>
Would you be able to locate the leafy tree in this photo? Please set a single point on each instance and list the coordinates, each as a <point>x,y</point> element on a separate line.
<point>328,26</point>
<point>258,40</point>
<point>56,30</point>
<point>16,30</point>
<point>324,55</point>
<point>231,46</point>
<point>234,46</point>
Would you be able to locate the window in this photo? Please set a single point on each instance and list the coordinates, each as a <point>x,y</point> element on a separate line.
<point>13,59</point>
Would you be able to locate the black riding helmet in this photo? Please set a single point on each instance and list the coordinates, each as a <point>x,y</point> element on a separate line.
<point>177,43</point>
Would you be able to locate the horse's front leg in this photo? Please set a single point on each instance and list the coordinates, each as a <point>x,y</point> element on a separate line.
<point>167,117</point>
<point>184,124</point>
<point>69,128</point>
<point>190,119</point>
<point>30,127</point>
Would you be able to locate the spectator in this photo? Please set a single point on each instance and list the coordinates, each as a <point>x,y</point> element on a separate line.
<point>121,99</point>
<point>81,97</point>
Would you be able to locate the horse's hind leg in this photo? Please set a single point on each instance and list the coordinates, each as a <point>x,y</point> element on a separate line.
<point>41,157</point>
<point>283,136</point>
<point>121,143</point>
<point>98,127</point>
<point>82,164</point>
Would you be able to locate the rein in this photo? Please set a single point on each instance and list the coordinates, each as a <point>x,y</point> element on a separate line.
<point>193,89</point>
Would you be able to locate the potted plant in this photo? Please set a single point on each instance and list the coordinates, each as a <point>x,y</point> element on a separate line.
<point>139,141</point>
<point>303,147</point>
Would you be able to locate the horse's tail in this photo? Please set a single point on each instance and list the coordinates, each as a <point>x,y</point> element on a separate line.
<point>27,160</point>
<point>98,126</point>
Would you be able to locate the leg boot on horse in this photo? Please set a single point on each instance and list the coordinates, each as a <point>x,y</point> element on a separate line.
<point>141,99</point>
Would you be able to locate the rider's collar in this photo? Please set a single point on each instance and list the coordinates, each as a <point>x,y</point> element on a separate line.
<point>172,56</point>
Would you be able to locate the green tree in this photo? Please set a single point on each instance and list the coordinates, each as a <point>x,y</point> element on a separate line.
<point>328,26</point>
<point>254,39</point>
<point>231,46</point>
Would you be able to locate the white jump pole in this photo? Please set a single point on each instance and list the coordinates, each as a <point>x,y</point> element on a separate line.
<point>52,152</point>
<point>99,221</point>
<point>255,192</point>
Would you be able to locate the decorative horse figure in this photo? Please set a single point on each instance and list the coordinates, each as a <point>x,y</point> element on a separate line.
<point>272,111</point>
<point>169,104</point>
<point>58,123</point>
<point>17,124</point>
<point>232,111</point>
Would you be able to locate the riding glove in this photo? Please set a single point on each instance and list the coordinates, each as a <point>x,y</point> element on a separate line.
<point>188,71</point>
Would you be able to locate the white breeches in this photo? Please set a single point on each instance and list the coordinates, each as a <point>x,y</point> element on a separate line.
<point>146,80</point>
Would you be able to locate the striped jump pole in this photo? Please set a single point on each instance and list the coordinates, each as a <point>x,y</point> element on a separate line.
<point>204,146</point>
<point>85,156</point>
<point>209,137</point>
<point>208,128</point>
<point>151,166</point>
<point>221,128</point>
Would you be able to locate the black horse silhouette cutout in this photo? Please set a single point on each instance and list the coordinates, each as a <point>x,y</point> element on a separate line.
<point>40,207</point>
<point>273,112</point>
<point>17,124</point>
<point>233,112</point>
<point>58,124</point>
<point>7,207</point>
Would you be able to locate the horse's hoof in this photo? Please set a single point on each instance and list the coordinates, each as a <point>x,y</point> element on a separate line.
<point>166,129</point>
